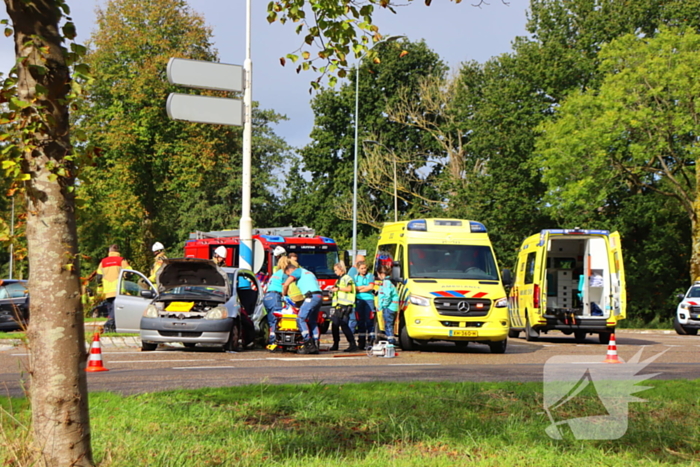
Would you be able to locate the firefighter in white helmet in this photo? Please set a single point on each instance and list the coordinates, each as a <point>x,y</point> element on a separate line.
<point>159,255</point>
<point>219,256</point>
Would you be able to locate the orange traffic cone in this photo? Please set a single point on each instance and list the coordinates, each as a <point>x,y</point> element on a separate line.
<point>612,351</point>
<point>95,360</point>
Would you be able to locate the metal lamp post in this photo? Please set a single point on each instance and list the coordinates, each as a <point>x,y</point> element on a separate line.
<point>357,124</point>
<point>396,191</point>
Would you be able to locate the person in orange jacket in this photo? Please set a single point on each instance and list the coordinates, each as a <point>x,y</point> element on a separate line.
<point>108,271</point>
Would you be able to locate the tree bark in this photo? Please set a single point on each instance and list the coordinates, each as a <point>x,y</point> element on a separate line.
<point>58,383</point>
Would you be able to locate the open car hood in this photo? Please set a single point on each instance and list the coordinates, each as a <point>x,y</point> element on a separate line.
<point>190,271</point>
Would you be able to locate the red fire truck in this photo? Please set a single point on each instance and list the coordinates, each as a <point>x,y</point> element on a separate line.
<point>316,253</point>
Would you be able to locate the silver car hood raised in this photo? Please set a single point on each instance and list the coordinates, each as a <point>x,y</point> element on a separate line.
<point>190,271</point>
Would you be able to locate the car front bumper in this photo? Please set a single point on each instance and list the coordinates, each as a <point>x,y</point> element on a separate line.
<point>195,331</point>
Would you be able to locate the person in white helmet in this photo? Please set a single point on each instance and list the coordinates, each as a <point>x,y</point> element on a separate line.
<point>219,256</point>
<point>159,255</point>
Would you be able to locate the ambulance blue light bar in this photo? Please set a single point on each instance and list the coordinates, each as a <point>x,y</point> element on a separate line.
<point>477,227</point>
<point>576,232</point>
<point>327,240</point>
<point>418,225</point>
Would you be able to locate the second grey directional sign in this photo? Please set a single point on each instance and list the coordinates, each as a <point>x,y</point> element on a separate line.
<point>205,109</point>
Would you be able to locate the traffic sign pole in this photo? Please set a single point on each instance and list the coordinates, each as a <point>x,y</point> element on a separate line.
<point>246,223</point>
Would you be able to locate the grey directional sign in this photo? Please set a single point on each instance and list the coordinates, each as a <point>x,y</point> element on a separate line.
<point>205,109</point>
<point>205,75</point>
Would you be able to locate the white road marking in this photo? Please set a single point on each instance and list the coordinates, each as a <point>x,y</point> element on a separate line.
<point>415,364</point>
<point>159,361</point>
<point>206,367</point>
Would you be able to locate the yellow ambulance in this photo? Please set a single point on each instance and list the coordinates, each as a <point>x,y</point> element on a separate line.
<point>569,280</point>
<point>450,288</point>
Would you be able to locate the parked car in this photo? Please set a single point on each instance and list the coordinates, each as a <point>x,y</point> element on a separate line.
<point>687,320</point>
<point>14,304</point>
<point>194,302</point>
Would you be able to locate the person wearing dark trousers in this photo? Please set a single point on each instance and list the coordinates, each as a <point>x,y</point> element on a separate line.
<point>343,308</point>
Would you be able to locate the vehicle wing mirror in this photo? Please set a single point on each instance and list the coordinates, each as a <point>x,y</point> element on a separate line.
<point>396,272</point>
<point>680,296</point>
<point>148,294</point>
<point>507,277</point>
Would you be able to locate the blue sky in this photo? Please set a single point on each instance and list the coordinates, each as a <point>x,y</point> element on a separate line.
<point>457,33</point>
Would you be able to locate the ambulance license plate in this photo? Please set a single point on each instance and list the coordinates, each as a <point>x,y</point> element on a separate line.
<point>464,333</point>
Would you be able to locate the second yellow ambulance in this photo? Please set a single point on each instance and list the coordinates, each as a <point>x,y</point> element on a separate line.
<point>568,280</point>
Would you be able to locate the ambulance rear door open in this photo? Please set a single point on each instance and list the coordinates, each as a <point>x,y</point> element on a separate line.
<point>579,276</point>
<point>617,277</point>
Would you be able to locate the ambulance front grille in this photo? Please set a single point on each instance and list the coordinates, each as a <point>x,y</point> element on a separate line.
<point>465,307</point>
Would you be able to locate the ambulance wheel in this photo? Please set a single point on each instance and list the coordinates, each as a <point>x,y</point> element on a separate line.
<point>498,346</point>
<point>530,334</point>
<point>189,345</point>
<point>513,333</point>
<point>604,337</point>
<point>148,346</point>
<point>580,336</point>
<point>405,340</point>
<point>233,344</point>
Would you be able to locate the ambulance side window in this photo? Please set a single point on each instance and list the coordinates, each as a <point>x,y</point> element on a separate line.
<point>530,268</point>
<point>399,258</point>
<point>385,255</point>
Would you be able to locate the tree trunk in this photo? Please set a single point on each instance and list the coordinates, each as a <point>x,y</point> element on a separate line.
<point>58,384</point>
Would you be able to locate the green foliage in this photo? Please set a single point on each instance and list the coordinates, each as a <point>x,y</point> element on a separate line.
<point>152,178</point>
<point>640,126</point>
<point>325,202</point>
<point>337,29</point>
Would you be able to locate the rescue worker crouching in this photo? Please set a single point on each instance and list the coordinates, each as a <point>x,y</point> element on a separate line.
<point>273,297</point>
<point>309,286</point>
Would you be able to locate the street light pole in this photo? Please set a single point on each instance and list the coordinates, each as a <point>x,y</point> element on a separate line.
<point>396,191</point>
<point>357,124</point>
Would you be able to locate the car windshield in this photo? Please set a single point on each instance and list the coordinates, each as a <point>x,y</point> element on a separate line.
<point>452,262</point>
<point>193,291</point>
<point>694,292</point>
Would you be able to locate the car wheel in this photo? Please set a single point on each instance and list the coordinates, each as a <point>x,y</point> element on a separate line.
<point>499,346</point>
<point>680,330</point>
<point>530,334</point>
<point>405,340</point>
<point>513,333</point>
<point>234,344</point>
<point>323,327</point>
<point>580,336</point>
<point>264,333</point>
<point>604,337</point>
<point>189,345</point>
<point>148,346</point>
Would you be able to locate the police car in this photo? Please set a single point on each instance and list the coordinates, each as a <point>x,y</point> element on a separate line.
<point>687,320</point>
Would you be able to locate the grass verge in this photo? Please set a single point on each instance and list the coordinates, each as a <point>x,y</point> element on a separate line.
<point>373,424</point>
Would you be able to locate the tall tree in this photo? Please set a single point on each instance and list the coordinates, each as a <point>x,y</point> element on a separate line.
<point>39,158</point>
<point>154,178</point>
<point>329,158</point>
<point>641,125</point>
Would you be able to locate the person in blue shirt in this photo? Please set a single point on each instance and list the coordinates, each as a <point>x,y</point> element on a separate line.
<point>364,303</point>
<point>310,288</point>
<point>273,297</point>
<point>388,302</point>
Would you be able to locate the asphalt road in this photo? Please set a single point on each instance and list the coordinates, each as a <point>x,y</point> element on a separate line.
<point>133,371</point>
